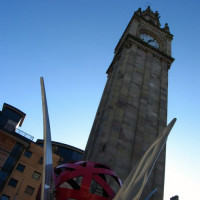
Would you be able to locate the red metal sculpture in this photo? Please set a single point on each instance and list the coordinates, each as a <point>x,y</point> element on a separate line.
<point>84,180</point>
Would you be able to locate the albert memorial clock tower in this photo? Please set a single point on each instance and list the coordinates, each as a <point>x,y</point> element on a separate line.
<point>133,107</point>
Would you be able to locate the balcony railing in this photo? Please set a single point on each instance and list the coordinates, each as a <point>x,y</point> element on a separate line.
<point>26,135</point>
<point>10,126</point>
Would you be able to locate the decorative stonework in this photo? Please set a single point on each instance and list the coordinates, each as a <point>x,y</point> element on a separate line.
<point>166,28</point>
<point>130,40</point>
<point>141,24</point>
<point>152,19</point>
<point>128,44</point>
<point>149,15</point>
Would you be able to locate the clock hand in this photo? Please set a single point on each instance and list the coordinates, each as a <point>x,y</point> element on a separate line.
<point>151,40</point>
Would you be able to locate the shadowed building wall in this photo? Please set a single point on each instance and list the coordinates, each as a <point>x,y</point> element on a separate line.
<point>133,107</point>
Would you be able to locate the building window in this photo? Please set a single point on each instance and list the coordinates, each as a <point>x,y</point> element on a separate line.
<point>28,153</point>
<point>13,182</point>
<point>4,197</point>
<point>29,190</point>
<point>20,167</point>
<point>36,175</point>
<point>41,160</point>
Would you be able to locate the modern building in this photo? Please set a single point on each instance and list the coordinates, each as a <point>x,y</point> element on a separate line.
<point>25,178</point>
<point>133,108</point>
<point>12,143</point>
<point>66,152</point>
<point>21,159</point>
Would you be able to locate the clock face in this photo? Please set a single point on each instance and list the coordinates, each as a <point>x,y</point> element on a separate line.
<point>149,40</point>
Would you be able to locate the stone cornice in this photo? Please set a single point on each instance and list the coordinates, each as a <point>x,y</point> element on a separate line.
<point>141,44</point>
<point>130,40</point>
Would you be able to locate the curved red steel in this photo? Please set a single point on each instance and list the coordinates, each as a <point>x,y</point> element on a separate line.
<point>66,175</point>
<point>76,180</point>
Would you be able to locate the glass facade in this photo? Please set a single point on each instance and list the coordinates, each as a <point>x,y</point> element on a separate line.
<point>66,152</point>
<point>10,164</point>
<point>10,114</point>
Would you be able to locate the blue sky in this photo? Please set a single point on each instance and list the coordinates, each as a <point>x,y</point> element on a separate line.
<point>71,44</point>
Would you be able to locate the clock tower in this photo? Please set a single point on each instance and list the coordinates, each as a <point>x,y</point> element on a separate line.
<point>133,108</point>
